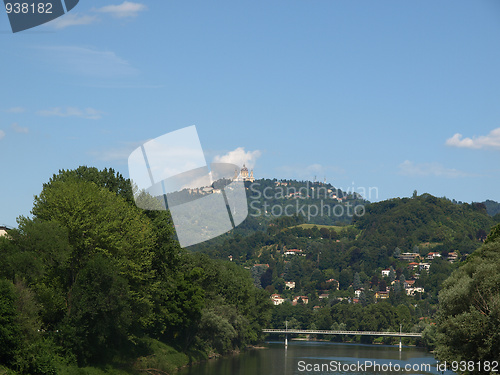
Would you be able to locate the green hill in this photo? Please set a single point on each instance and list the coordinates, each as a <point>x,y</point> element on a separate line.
<point>424,221</point>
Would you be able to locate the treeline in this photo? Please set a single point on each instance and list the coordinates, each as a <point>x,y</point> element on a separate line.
<point>424,220</point>
<point>91,279</point>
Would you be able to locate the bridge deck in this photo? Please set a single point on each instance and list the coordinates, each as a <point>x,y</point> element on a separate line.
<point>328,332</point>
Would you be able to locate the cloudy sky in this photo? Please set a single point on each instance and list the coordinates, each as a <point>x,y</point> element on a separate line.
<point>397,95</point>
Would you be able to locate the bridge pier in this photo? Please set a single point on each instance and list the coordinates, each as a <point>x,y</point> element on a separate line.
<point>286,336</point>
<point>400,338</point>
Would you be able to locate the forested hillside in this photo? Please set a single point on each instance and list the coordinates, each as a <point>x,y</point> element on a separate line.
<point>384,269</point>
<point>426,221</point>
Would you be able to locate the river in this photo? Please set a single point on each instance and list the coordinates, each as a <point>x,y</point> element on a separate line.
<point>318,358</point>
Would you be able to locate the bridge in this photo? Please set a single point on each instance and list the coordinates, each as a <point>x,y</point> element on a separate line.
<point>329,332</point>
<point>332,332</point>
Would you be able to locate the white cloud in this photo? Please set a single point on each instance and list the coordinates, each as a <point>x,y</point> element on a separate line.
<point>87,113</point>
<point>87,61</point>
<point>2,134</point>
<point>239,157</point>
<point>409,168</point>
<point>126,9</point>
<point>16,110</point>
<point>72,19</point>
<point>491,140</point>
<point>19,129</point>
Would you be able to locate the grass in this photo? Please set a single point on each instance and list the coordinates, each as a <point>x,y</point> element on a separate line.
<point>319,226</point>
<point>165,358</point>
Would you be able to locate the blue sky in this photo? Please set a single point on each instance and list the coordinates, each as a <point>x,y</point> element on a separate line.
<point>397,95</point>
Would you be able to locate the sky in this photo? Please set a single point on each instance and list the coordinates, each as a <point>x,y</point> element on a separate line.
<point>391,95</point>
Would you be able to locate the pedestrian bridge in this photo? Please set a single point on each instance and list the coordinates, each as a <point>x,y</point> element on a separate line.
<point>328,332</point>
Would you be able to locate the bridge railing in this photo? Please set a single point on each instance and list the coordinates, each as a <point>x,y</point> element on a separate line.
<point>330,332</point>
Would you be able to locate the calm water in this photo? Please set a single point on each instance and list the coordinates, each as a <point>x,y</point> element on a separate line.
<point>318,358</point>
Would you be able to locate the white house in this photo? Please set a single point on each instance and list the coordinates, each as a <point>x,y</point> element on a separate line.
<point>385,273</point>
<point>294,252</point>
<point>277,299</point>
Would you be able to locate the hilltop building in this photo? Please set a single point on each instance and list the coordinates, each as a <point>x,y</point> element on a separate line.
<point>243,175</point>
<point>3,230</point>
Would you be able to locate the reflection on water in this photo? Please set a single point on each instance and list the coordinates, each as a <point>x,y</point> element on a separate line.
<point>318,358</point>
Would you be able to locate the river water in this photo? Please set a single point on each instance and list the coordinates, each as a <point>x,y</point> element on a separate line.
<point>318,358</point>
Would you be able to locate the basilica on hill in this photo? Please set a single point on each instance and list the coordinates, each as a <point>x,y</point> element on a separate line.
<point>243,175</point>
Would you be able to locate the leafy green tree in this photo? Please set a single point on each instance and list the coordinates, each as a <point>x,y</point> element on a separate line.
<point>345,278</point>
<point>106,178</point>
<point>469,309</point>
<point>101,223</point>
<point>216,331</point>
<point>10,330</point>
<point>99,312</point>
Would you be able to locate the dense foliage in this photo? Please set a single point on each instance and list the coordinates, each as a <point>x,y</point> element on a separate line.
<point>469,315</point>
<point>91,279</point>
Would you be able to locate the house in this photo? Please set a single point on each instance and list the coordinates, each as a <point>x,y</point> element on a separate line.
<point>290,284</point>
<point>3,230</point>
<point>408,284</point>
<point>412,291</point>
<point>424,266</point>
<point>304,299</point>
<point>432,256</point>
<point>413,265</point>
<point>409,256</point>
<point>385,273</point>
<point>261,265</point>
<point>277,299</point>
<point>452,256</point>
<point>294,252</point>
<point>381,295</point>
<point>324,295</point>
<point>358,292</point>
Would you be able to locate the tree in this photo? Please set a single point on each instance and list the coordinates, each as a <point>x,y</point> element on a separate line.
<point>325,232</point>
<point>469,310</point>
<point>107,178</point>
<point>101,223</point>
<point>345,278</point>
<point>356,284</point>
<point>397,252</point>
<point>392,274</point>
<point>99,312</point>
<point>9,327</point>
